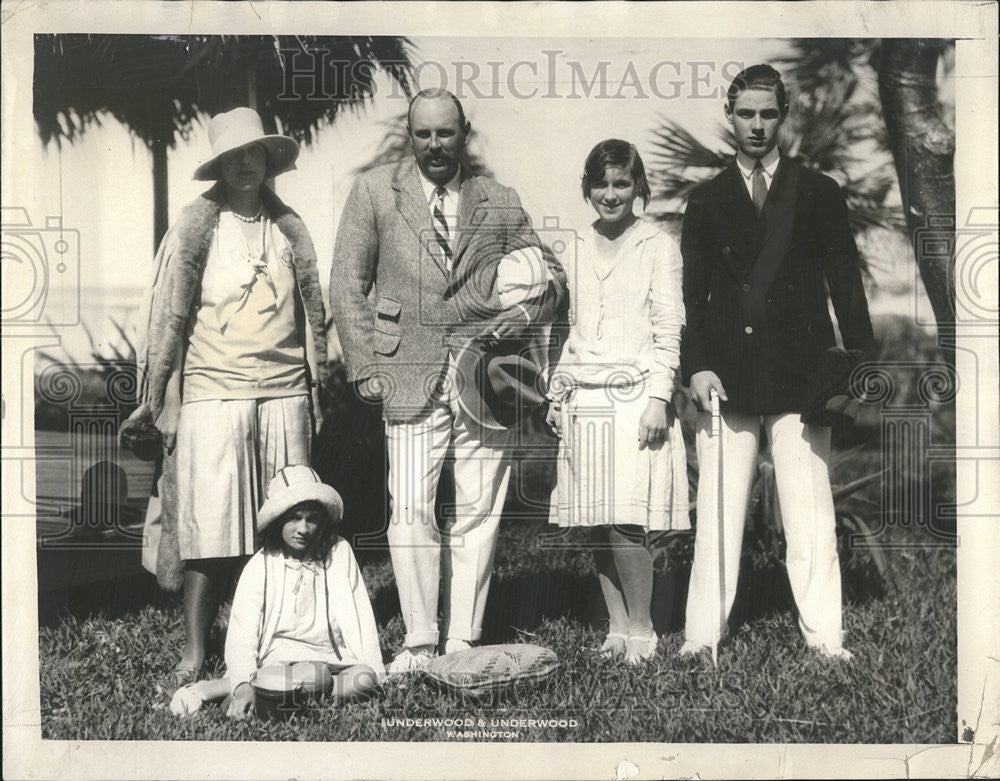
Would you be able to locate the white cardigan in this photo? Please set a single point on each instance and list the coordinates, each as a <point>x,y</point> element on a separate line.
<point>252,623</point>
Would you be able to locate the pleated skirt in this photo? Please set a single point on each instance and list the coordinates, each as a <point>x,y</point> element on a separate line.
<point>602,476</point>
<point>227,452</point>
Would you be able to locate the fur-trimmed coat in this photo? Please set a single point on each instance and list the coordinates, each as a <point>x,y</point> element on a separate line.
<point>165,315</point>
<point>179,266</point>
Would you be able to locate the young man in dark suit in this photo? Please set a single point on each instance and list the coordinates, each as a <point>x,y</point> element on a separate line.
<point>762,243</point>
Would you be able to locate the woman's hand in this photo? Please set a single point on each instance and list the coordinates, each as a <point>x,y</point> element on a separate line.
<point>654,423</point>
<point>242,702</point>
<point>552,418</point>
<point>167,423</point>
<point>317,411</point>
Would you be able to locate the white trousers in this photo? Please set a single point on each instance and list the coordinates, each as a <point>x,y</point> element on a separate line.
<point>459,559</point>
<point>801,456</point>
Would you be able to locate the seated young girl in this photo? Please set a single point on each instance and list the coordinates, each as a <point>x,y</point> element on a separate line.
<point>300,598</point>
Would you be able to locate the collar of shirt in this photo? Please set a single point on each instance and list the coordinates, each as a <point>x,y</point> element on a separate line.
<point>450,196</point>
<point>769,163</point>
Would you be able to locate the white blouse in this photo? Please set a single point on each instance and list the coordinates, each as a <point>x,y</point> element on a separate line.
<point>245,341</point>
<point>626,315</point>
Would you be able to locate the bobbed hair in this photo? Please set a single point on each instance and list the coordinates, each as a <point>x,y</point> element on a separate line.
<point>619,154</point>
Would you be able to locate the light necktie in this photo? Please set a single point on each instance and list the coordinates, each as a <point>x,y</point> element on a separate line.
<point>759,188</point>
<point>441,232</point>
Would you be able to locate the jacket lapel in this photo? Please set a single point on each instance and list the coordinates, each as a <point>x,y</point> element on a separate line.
<point>780,202</point>
<point>412,204</point>
<point>738,214</point>
<point>778,212</point>
<point>470,215</point>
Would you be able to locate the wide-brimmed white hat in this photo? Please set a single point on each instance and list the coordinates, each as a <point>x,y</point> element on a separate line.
<point>294,485</point>
<point>240,127</point>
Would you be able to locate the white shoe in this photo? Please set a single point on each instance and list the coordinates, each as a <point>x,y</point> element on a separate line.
<point>186,701</point>
<point>641,647</point>
<point>454,645</point>
<point>412,660</point>
<point>691,649</point>
<point>837,654</point>
<point>614,645</point>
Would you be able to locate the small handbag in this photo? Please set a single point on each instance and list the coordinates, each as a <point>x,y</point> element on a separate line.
<point>142,437</point>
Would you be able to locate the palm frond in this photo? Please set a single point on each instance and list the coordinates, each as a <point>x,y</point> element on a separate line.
<point>159,86</point>
<point>675,147</point>
<point>853,523</point>
<point>844,492</point>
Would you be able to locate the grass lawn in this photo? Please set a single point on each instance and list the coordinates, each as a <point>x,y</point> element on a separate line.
<point>102,652</point>
<point>99,674</point>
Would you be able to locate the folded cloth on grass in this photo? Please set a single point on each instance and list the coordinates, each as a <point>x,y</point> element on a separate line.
<point>488,668</point>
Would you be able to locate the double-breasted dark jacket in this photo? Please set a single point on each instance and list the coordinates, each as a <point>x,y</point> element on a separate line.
<point>763,332</point>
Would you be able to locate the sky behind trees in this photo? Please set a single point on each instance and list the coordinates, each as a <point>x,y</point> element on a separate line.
<point>537,107</point>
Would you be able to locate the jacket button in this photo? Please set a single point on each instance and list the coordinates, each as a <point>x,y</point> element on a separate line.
<point>726,250</point>
<point>746,287</point>
<point>791,288</point>
<point>748,329</point>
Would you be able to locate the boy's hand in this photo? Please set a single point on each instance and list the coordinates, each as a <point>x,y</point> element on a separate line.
<point>701,385</point>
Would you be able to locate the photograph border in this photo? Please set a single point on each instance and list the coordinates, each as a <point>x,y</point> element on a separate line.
<point>26,755</point>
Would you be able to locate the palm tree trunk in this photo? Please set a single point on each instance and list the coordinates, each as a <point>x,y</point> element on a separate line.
<point>160,192</point>
<point>923,148</point>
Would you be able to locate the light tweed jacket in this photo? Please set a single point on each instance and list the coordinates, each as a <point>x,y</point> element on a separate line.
<point>397,308</point>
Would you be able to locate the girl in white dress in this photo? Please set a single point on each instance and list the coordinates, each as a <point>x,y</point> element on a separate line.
<point>622,465</point>
<point>300,604</point>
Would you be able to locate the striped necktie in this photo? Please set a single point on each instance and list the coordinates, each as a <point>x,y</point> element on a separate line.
<point>441,232</point>
<point>759,188</point>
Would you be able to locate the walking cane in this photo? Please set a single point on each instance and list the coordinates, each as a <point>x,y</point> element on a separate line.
<point>718,551</point>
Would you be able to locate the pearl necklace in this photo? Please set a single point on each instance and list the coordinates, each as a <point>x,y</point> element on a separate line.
<point>250,220</point>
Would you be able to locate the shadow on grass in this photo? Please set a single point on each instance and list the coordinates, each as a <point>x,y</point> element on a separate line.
<point>111,598</point>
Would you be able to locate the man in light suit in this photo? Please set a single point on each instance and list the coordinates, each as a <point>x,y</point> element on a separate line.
<point>762,242</point>
<point>413,274</point>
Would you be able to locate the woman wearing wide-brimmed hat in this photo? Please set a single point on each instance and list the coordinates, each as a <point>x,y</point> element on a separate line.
<point>235,338</point>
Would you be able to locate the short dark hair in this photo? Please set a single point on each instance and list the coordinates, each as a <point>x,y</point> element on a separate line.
<point>433,93</point>
<point>320,545</point>
<point>758,77</point>
<point>620,154</point>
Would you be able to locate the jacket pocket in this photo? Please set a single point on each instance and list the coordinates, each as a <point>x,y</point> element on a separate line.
<point>387,330</point>
<point>388,308</point>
